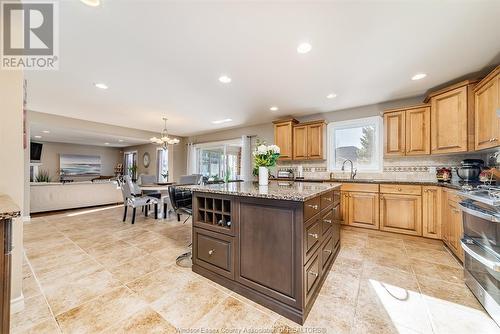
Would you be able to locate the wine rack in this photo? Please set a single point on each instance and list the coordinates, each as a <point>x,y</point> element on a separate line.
<point>214,211</point>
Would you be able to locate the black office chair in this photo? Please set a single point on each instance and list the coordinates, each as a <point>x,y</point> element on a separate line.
<point>182,202</point>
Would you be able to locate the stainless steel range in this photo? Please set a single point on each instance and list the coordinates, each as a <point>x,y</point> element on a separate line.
<point>481,243</point>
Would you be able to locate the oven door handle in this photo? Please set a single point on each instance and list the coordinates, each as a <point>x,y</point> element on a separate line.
<point>477,213</point>
<point>475,251</point>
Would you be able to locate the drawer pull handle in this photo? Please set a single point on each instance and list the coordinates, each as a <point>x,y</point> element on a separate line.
<point>329,199</point>
<point>314,235</point>
<point>313,273</point>
<point>328,251</point>
<point>315,207</point>
<point>211,252</point>
<point>328,221</point>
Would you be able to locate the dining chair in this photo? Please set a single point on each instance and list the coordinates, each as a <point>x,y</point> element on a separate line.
<point>134,199</point>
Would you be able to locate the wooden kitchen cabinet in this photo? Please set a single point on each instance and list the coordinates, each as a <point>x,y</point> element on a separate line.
<point>407,131</point>
<point>394,133</point>
<point>452,118</point>
<point>487,102</point>
<point>431,212</point>
<point>300,142</point>
<point>401,213</point>
<point>309,141</point>
<point>418,131</point>
<point>363,210</point>
<point>315,140</point>
<point>344,207</point>
<point>452,228</point>
<point>283,137</point>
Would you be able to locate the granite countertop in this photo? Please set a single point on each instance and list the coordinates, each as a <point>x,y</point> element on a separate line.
<point>8,209</point>
<point>452,185</point>
<point>281,190</point>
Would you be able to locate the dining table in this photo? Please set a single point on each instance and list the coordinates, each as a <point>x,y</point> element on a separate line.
<point>163,189</point>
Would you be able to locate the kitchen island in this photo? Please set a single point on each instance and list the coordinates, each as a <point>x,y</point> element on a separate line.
<point>272,244</point>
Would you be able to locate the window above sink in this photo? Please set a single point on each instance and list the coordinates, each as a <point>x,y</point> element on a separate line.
<point>358,140</point>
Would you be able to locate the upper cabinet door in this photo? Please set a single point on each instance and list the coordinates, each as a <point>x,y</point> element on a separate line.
<point>394,133</point>
<point>283,138</point>
<point>300,142</point>
<point>418,131</point>
<point>487,127</point>
<point>315,141</point>
<point>449,121</point>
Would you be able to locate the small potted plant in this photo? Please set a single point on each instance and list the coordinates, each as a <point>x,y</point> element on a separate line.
<point>265,157</point>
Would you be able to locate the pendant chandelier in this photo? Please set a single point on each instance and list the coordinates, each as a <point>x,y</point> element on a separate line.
<point>164,139</point>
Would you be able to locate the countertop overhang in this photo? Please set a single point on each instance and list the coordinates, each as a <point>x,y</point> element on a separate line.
<point>8,209</point>
<point>279,190</point>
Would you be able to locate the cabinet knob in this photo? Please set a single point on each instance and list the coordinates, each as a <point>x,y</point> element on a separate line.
<point>315,207</point>
<point>212,251</point>
<point>313,273</point>
<point>314,235</point>
<point>399,189</point>
<point>494,139</point>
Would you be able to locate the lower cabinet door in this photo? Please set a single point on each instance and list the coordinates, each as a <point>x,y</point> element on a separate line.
<point>214,251</point>
<point>431,212</point>
<point>363,210</point>
<point>401,213</point>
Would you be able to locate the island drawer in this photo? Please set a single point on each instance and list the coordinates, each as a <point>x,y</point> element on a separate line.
<point>400,189</point>
<point>326,222</point>
<point>214,251</point>
<point>327,252</point>
<point>312,207</point>
<point>327,200</point>
<point>312,274</point>
<point>312,235</point>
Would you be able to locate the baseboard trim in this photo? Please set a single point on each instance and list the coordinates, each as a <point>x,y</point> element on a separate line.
<point>17,304</point>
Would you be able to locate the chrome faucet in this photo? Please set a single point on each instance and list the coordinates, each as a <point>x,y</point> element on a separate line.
<point>353,170</point>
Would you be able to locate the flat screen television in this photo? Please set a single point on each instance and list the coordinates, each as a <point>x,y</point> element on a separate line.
<point>35,152</point>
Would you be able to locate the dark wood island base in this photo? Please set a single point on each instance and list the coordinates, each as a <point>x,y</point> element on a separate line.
<point>274,251</point>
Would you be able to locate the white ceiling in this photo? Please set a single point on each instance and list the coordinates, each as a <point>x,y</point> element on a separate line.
<point>59,134</point>
<point>163,57</point>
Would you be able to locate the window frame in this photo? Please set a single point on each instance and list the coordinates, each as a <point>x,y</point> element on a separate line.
<point>159,178</point>
<point>218,144</point>
<point>377,121</point>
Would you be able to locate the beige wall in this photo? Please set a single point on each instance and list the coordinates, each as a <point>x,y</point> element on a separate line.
<point>110,156</point>
<point>12,162</point>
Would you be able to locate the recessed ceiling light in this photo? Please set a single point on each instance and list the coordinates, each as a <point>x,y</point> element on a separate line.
<point>106,143</point>
<point>304,48</point>
<point>46,131</point>
<point>220,121</point>
<point>418,76</point>
<point>331,96</point>
<point>91,3</point>
<point>224,79</point>
<point>101,85</point>
<point>274,108</point>
<point>38,137</point>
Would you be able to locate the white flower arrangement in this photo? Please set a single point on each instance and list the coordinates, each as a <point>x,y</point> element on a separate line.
<point>265,156</point>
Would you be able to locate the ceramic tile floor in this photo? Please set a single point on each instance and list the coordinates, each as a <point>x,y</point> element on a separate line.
<point>87,272</point>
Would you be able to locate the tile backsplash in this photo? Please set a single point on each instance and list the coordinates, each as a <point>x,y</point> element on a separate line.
<point>407,168</point>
